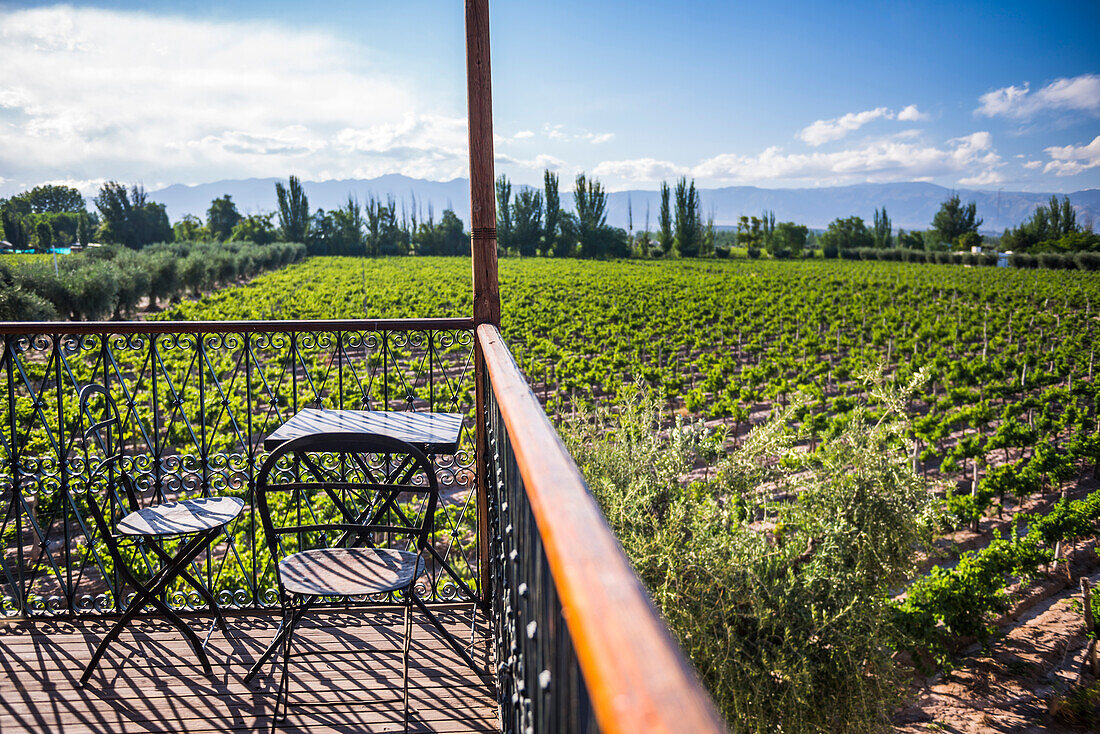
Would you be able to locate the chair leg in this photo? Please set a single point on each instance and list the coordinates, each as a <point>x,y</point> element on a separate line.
<point>405,657</point>
<point>283,694</point>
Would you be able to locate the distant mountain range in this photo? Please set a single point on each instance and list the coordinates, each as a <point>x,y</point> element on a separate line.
<point>910,205</point>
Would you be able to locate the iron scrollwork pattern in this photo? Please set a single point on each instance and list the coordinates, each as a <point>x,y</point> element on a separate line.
<point>540,687</point>
<point>194,408</point>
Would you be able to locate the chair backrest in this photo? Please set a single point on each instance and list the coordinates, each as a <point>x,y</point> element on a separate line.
<point>346,490</point>
<point>102,427</point>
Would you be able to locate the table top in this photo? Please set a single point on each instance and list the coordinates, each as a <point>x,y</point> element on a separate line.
<point>432,433</point>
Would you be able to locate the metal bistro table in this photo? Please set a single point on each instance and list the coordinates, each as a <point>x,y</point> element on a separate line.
<point>432,433</point>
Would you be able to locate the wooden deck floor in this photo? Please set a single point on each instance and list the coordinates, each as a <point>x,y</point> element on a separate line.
<point>348,680</point>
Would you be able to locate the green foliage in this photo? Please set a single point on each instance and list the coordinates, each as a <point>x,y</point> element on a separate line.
<point>128,217</point>
<point>110,281</point>
<point>50,198</point>
<point>788,240</point>
<point>43,237</point>
<point>527,222</point>
<point>963,598</point>
<point>553,243</point>
<point>504,212</point>
<point>790,629</point>
<point>689,225</point>
<point>15,231</point>
<point>1052,228</point>
<point>883,229</point>
<point>222,217</point>
<point>954,219</point>
<point>294,219</point>
<point>591,231</point>
<point>254,228</point>
<point>664,236</point>
<point>845,235</point>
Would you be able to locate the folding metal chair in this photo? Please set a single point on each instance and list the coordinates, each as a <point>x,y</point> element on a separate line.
<point>353,537</point>
<point>143,530</point>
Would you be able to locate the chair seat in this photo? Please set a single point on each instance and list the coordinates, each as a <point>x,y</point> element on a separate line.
<point>348,571</point>
<point>180,518</point>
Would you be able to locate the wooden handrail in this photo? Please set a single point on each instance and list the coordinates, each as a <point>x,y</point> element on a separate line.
<point>231,327</point>
<point>637,677</point>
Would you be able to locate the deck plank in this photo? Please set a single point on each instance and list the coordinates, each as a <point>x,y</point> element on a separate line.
<point>347,679</point>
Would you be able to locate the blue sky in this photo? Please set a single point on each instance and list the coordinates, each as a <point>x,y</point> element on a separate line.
<point>979,95</point>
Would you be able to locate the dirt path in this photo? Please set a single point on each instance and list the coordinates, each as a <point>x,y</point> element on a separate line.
<point>1010,687</point>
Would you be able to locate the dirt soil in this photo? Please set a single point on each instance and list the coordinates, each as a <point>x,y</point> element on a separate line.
<point>1014,686</point>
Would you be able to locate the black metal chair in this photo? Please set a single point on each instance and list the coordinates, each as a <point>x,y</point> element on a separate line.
<point>141,531</point>
<point>354,529</point>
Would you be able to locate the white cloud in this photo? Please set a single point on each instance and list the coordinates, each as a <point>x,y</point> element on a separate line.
<point>640,170</point>
<point>1068,160</point>
<point>1031,165</point>
<point>1080,93</point>
<point>911,114</point>
<point>971,156</point>
<point>88,94</point>
<point>824,131</point>
<point>554,132</point>
<point>559,134</point>
<point>523,135</point>
<point>540,162</point>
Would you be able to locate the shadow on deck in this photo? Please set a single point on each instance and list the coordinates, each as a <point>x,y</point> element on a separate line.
<point>347,680</point>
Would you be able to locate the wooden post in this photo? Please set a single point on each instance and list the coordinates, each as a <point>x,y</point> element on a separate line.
<point>483,231</point>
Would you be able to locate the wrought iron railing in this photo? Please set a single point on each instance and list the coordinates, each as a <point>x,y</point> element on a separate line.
<point>196,400</point>
<point>579,646</point>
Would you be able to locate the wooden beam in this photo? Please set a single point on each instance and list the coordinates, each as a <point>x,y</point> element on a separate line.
<point>483,209</point>
<point>483,241</point>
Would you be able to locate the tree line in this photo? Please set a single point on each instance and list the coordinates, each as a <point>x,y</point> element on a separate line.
<point>530,222</point>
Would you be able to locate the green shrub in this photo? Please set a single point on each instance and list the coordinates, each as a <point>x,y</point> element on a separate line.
<point>790,629</point>
<point>1087,260</point>
<point>1021,260</point>
<point>1052,261</point>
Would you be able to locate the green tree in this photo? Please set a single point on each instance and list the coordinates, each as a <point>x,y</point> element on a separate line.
<point>845,234</point>
<point>43,237</point>
<point>767,230</point>
<point>689,227</point>
<point>789,240</point>
<point>504,213</point>
<point>15,231</point>
<point>590,201</point>
<point>83,230</point>
<point>128,217</point>
<point>969,240</point>
<point>349,224</point>
<point>910,240</point>
<point>553,243</point>
<point>883,229</point>
<point>53,200</point>
<point>1051,228</point>
<point>383,229</point>
<point>664,221</point>
<point>190,229</point>
<point>222,217</point>
<point>254,228</point>
<point>294,219</point>
<point>453,239</point>
<point>749,234</point>
<point>954,219</point>
<point>527,221</point>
